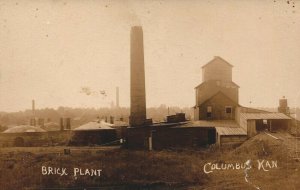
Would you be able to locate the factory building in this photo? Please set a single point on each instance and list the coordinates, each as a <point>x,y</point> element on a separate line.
<point>217,105</point>
<point>217,96</point>
<point>219,118</point>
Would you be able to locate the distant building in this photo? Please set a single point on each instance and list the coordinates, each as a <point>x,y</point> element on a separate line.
<point>217,96</point>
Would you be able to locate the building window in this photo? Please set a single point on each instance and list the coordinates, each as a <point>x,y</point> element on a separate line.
<point>265,122</point>
<point>209,112</point>
<point>228,109</point>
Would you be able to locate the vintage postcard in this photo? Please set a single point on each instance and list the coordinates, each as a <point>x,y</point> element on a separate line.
<point>152,94</point>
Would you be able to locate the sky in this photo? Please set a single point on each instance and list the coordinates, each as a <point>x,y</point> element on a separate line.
<point>50,50</point>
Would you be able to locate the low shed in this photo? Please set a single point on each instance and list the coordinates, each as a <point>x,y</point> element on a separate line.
<point>255,122</point>
<point>165,136</point>
<point>228,132</point>
<point>230,136</point>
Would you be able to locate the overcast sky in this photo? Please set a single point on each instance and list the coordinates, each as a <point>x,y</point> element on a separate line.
<point>49,50</point>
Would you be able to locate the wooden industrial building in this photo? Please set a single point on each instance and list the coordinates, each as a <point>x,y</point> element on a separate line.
<point>218,117</point>
<point>217,96</point>
<point>217,101</point>
<point>253,121</point>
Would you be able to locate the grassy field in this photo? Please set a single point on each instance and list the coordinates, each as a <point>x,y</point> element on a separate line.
<point>21,168</point>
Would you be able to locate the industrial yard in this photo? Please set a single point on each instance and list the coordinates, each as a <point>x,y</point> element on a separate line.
<point>167,169</point>
<point>223,145</point>
<point>162,95</point>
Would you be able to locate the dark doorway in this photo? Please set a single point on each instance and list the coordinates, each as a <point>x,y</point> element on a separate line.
<point>211,136</point>
<point>261,125</point>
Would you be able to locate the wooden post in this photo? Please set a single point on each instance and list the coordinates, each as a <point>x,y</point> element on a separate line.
<point>150,140</point>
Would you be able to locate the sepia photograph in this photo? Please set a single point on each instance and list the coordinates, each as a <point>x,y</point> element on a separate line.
<point>149,94</point>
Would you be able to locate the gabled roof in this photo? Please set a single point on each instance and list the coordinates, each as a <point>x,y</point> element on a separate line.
<point>219,92</point>
<point>217,58</point>
<point>221,83</point>
<point>253,110</point>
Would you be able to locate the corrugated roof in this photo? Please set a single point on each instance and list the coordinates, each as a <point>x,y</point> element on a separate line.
<point>211,123</point>
<point>264,116</point>
<point>230,131</point>
<point>223,127</point>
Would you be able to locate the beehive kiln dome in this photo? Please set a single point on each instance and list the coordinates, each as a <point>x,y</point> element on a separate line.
<point>95,125</point>
<point>23,129</point>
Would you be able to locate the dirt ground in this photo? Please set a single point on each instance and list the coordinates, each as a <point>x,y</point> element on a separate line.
<point>274,165</point>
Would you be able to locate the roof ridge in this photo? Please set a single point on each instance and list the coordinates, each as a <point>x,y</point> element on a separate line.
<point>219,92</point>
<point>217,57</point>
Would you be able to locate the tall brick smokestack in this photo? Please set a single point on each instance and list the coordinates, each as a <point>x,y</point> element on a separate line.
<point>137,78</point>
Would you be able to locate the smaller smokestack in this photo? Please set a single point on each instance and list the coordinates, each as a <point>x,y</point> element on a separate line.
<point>61,124</point>
<point>68,123</point>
